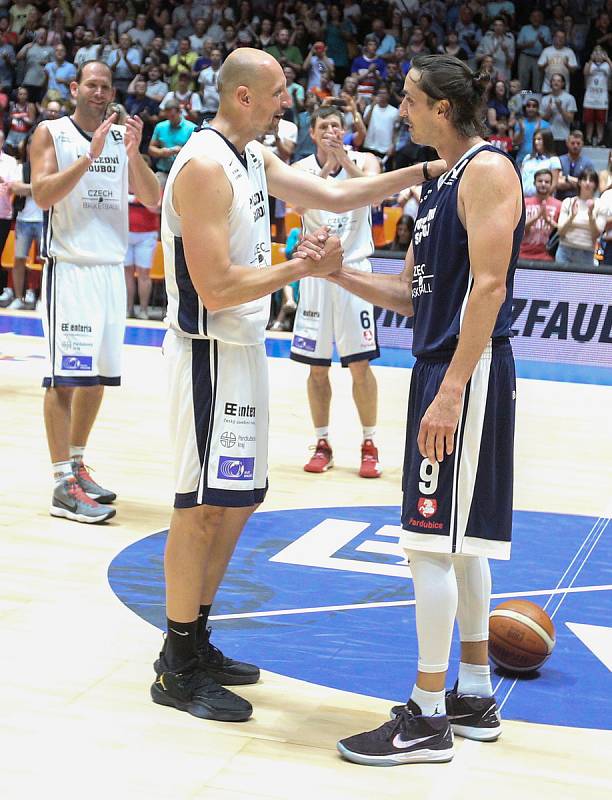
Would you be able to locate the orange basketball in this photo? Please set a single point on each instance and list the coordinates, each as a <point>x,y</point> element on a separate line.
<point>521,636</point>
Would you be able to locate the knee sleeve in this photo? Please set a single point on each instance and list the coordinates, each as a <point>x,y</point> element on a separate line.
<point>435,591</point>
<point>474,595</point>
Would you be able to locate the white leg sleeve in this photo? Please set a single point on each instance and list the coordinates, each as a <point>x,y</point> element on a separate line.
<point>435,590</point>
<point>474,586</point>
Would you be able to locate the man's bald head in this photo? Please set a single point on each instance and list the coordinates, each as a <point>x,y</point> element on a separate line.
<point>247,67</point>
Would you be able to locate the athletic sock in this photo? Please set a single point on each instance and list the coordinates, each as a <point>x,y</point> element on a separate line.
<point>322,433</point>
<point>369,433</point>
<point>475,679</point>
<point>202,623</point>
<point>180,643</point>
<point>432,704</point>
<point>61,471</point>
<point>76,453</point>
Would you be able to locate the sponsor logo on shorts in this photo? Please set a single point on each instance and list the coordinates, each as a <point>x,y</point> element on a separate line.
<point>236,410</point>
<point>427,506</point>
<point>228,439</point>
<point>301,343</point>
<point>77,363</point>
<point>422,523</point>
<point>368,336</point>
<point>236,469</point>
<point>310,314</point>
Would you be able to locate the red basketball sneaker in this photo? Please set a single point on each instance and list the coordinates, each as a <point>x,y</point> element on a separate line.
<point>322,459</point>
<point>370,468</point>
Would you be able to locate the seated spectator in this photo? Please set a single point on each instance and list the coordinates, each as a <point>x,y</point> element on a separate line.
<point>169,136</point>
<point>500,138</point>
<point>316,63</point>
<point>90,50</point>
<point>197,38</point>
<point>188,100</point>
<point>557,59</point>
<point>386,41</point>
<point>181,63</point>
<point>170,42</point>
<point>157,89</point>
<point>401,60</point>
<point>559,108</point>
<point>579,227</point>
<point>22,116</point>
<point>542,157</point>
<point>60,73</point>
<point>541,216</point>
<point>138,104</point>
<point>204,59</point>
<point>526,127</point>
<point>124,62</point>
<point>326,87</point>
<point>453,47</point>
<point>156,56</point>
<point>403,235</point>
<point>595,105</point>
<point>573,163</point>
<point>516,98</point>
<point>338,33</point>
<point>499,44</point>
<point>368,69</point>
<point>51,109</point>
<point>532,39</point>
<point>382,121</point>
<point>265,34</point>
<point>285,53</point>
<point>417,44</point>
<point>498,104</point>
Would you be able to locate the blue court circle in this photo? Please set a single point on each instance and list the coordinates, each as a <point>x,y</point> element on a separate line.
<point>290,567</point>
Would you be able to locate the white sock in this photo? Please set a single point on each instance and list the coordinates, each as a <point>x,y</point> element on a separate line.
<point>76,453</point>
<point>475,679</point>
<point>322,433</point>
<point>61,471</point>
<point>369,433</point>
<point>431,704</point>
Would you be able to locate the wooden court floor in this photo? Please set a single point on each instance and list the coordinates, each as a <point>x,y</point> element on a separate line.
<point>76,720</point>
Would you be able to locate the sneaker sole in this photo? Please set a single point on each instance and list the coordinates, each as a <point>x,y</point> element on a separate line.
<point>197,709</point>
<point>396,759</point>
<point>66,514</point>
<point>318,471</point>
<point>224,678</point>
<point>378,474</point>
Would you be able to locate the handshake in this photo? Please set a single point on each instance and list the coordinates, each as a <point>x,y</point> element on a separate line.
<point>322,252</point>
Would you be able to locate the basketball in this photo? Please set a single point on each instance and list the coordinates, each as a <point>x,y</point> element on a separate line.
<point>521,636</point>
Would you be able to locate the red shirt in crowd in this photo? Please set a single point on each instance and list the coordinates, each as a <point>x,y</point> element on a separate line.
<point>503,143</point>
<point>141,219</point>
<point>536,237</point>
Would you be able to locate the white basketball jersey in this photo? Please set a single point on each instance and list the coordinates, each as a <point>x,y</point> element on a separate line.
<point>249,243</point>
<point>90,225</point>
<point>354,228</point>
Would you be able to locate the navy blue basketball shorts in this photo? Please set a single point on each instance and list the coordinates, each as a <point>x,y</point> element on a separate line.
<point>463,504</point>
<point>219,406</point>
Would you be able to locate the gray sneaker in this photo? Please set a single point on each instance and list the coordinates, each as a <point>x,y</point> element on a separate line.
<point>89,486</point>
<point>7,296</point>
<point>17,305</point>
<point>70,501</point>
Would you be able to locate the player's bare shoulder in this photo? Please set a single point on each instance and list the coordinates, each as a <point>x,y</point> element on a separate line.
<point>201,181</point>
<point>490,185</point>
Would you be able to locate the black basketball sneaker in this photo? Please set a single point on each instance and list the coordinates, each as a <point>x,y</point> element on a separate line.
<point>470,717</point>
<point>191,689</point>
<point>224,670</point>
<point>410,738</point>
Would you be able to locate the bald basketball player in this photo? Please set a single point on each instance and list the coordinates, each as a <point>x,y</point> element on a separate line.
<point>216,240</point>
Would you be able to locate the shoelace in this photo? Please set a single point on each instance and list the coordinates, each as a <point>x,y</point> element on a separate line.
<point>198,679</point>
<point>84,471</point>
<point>210,652</point>
<point>79,494</point>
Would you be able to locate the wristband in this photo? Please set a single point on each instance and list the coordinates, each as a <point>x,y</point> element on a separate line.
<point>426,174</point>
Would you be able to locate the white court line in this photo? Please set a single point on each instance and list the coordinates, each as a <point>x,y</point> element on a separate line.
<point>393,603</point>
<point>564,592</point>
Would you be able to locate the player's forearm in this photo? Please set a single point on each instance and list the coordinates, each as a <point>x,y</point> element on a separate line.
<point>387,291</point>
<point>481,312</point>
<point>143,181</point>
<point>360,192</point>
<point>48,190</point>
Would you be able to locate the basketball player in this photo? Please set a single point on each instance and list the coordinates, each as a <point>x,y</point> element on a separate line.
<point>457,506</point>
<point>80,168</point>
<point>216,240</point>
<point>328,313</point>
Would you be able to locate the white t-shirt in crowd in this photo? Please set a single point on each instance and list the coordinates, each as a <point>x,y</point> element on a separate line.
<point>381,125</point>
<point>596,86</point>
<point>556,61</point>
<point>559,127</point>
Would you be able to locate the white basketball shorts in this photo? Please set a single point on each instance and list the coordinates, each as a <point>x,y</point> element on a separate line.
<point>218,404</point>
<point>327,313</point>
<point>84,323</point>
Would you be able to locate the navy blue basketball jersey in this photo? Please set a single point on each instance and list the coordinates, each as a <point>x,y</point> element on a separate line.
<point>442,278</point>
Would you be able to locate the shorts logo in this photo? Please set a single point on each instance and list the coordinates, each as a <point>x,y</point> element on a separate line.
<point>301,343</point>
<point>236,469</point>
<point>77,363</point>
<point>368,336</point>
<point>427,506</point>
<point>228,439</point>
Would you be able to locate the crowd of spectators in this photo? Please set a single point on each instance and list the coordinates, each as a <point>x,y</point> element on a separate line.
<point>548,95</point>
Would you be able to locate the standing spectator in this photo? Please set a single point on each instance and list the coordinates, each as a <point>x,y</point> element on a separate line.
<point>169,136</point>
<point>90,50</point>
<point>138,104</point>
<point>156,56</point>
<point>542,157</point>
<point>22,116</point>
<point>296,93</point>
<point>181,62</point>
<point>469,33</point>
<point>7,57</point>
<point>60,73</point>
<point>578,226</point>
<point>381,120</point>
<point>170,46</point>
<point>188,100</point>
<point>573,164</point>
<point>35,54</point>
<point>499,44</point>
<point>386,42</point>
<point>265,35</point>
<point>315,64</point>
<point>156,88</point>
<point>196,40</point>
<point>9,173</point>
<point>183,18</point>
<point>532,39</point>
<point>142,241</point>
<point>124,62</point>
<point>557,59</point>
<point>526,127</point>
<point>600,34</point>
<point>498,104</point>
<point>453,47</point>
<point>417,44</point>
<point>204,59</point>
<point>516,98</point>
<point>338,34</point>
<point>140,35</point>
<point>595,105</point>
<point>208,83</point>
<point>285,53</point>
<point>559,108</point>
<point>541,216</point>
<point>18,14</point>
<point>368,69</point>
